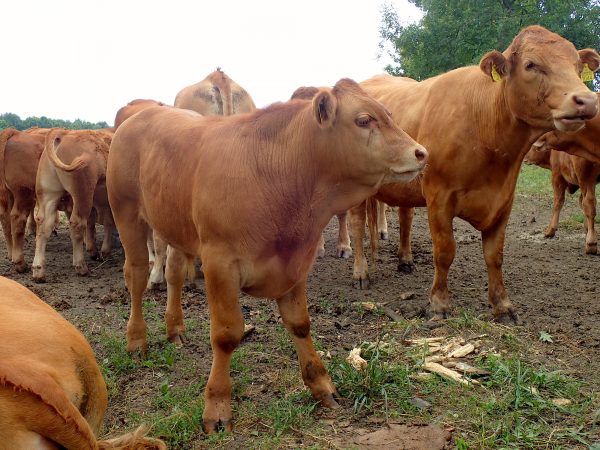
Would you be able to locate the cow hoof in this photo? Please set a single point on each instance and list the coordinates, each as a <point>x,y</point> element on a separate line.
<point>383,235</point>
<point>82,271</point>
<point>330,402</point>
<point>508,318</point>
<point>39,278</point>
<point>361,283</point>
<point>434,317</point>
<point>156,286</point>
<point>344,252</point>
<point>406,267</point>
<point>591,249</point>
<point>176,339</point>
<point>214,426</point>
<point>104,254</point>
<point>95,256</point>
<point>20,266</point>
<point>138,347</point>
<point>549,234</point>
<point>320,252</point>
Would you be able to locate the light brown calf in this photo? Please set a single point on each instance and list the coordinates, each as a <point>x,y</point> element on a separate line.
<point>52,394</point>
<point>478,131</point>
<point>19,157</point>
<point>73,162</point>
<point>249,194</point>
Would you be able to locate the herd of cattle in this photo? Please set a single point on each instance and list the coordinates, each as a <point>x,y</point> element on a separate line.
<point>249,191</point>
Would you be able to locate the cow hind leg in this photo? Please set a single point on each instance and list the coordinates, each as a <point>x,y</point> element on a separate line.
<point>90,235</point>
<point>444,250</point>
<point>78,227</point>
<point>5,221</point>
<point>382,226</point>
<point>175,272</point>
<point>405,256</point>
<point>226,331</point>
<point>22,205</point>
<point>109,234</point>
<point>294,313</point>
<point>588,204</point>
<point>343,250</point>
<point>358,221</point>
<point>45,220</point>
<point>157,275</point>
<point>559,186</point>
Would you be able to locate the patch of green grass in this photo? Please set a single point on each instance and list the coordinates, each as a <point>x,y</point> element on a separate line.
<point>465,320</point>
<point>534,180</point>
<point>294,411</point>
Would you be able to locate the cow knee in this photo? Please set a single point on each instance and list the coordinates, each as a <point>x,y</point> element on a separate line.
<point>227,339</point>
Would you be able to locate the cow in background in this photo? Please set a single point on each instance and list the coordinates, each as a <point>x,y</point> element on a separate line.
<point>20,153</point>
<point>478,123</point>
<point>249,194</point>
<point>73,163</point>
<point>52,394</point>
<point>133,107</point>
<point>216,95</point>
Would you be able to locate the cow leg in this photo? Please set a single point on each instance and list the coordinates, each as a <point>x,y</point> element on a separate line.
<point>588,204</point>
<point>23,202</point>
<point>150,245</point>
<point>321,246</point>
<point>294,313</point>
<point>30,226</point>
<point>343,247</point>
<point>107,240</point>
<point>90,235</point>
<point>45,219</point>
<point>133,234</point>
<point>157,275</point>
<point>177,262</point>
<point>405,257</point>
<point>493,253</point>
<point>5,207</point>
<point>226,331</point>
<point>444,250</point>
<point>78,226</point>
<point>382,227</point>
<point>559,185</point>
<point>358,222</point>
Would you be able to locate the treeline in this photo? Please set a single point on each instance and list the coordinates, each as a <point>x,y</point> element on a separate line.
<point>10,120</point>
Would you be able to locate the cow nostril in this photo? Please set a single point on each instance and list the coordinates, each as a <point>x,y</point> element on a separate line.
<point>420,154</point>
<point>578,100</point>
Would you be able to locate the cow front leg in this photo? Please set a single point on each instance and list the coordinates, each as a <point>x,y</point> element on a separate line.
<point>294,313</point>
<point>493,252</point>
<point>444,250</point>
<point>358,222</point>
<point>108,239</point>
<point>78,227</point>
<point>559,185</point>
<point>176,268</point>
<point>22,205</point>
<point>343,250</point>
<point>405,256</point>
<point>5,207</point>
<point>382,226</point>
<point>320,252</point>
<point>226,331</point>
<point>588,204</point>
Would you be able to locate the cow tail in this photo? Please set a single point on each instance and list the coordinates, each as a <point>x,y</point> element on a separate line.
<point>53,139</point>
<point>133,441</point>
<point>372,206</point>
<point>5,135</point>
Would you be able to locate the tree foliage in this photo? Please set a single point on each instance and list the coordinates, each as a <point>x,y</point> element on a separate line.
<point>455,33</point>
<point>10,120</point>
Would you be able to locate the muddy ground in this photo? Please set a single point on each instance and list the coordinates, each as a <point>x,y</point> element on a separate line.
<point>551,282</point>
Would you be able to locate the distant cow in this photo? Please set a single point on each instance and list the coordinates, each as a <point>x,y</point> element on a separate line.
<point>74,163</point>
<point>216,95</point>
<point>478,131</point>
<point>249,194</point>
<point>20,153</point>
<point>52,394</point>
<point>134,106</point>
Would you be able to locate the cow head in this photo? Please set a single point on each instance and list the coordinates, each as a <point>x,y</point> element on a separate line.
<point>366,133</point>
<point>541,76</point>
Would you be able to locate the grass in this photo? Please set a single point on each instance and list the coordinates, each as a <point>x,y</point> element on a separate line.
<point>534,180</point>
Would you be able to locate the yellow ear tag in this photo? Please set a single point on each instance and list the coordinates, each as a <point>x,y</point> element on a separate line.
<point>586,73</point>
<point>495,75</point>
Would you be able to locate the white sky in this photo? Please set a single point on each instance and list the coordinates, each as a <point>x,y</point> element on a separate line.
<point>69,59</point>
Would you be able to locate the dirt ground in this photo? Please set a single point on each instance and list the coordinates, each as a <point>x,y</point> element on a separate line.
<point>551,282</point>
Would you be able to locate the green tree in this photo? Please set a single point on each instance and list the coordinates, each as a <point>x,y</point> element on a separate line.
<point>455,33</point>
<point>8,120</point>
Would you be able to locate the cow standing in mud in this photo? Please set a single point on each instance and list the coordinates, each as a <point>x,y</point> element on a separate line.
<point>250,195</point>
<point>478,123</point>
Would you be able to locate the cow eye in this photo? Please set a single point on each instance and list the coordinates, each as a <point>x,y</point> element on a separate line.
<point>530,66</point>
<point>366,121</point>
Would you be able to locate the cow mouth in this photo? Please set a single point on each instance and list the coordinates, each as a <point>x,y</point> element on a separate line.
<point>570,123</point>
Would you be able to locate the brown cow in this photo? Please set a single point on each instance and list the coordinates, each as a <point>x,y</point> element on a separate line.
<point>134,106</point>
<point>52,394</point>
<point>19,157</point>
<point>73,162</point>
<point>478,131</point>
<point>217,94</point>
<point>249,194</point>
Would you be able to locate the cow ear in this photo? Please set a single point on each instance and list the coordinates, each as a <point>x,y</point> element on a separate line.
<point>495,65</point>
<point>590,57</point>
<point>324,106</point>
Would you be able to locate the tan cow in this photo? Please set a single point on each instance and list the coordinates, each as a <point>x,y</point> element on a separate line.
<point>133,107</point>
<point>249,194</point>
<point>73,162</point>
<point>19,157</point>
<point>478,131</point>
<point>52,394</point>
<point>216,95</point>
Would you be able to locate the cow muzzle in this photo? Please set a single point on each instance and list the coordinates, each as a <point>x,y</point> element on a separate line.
<point>582,107</point>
